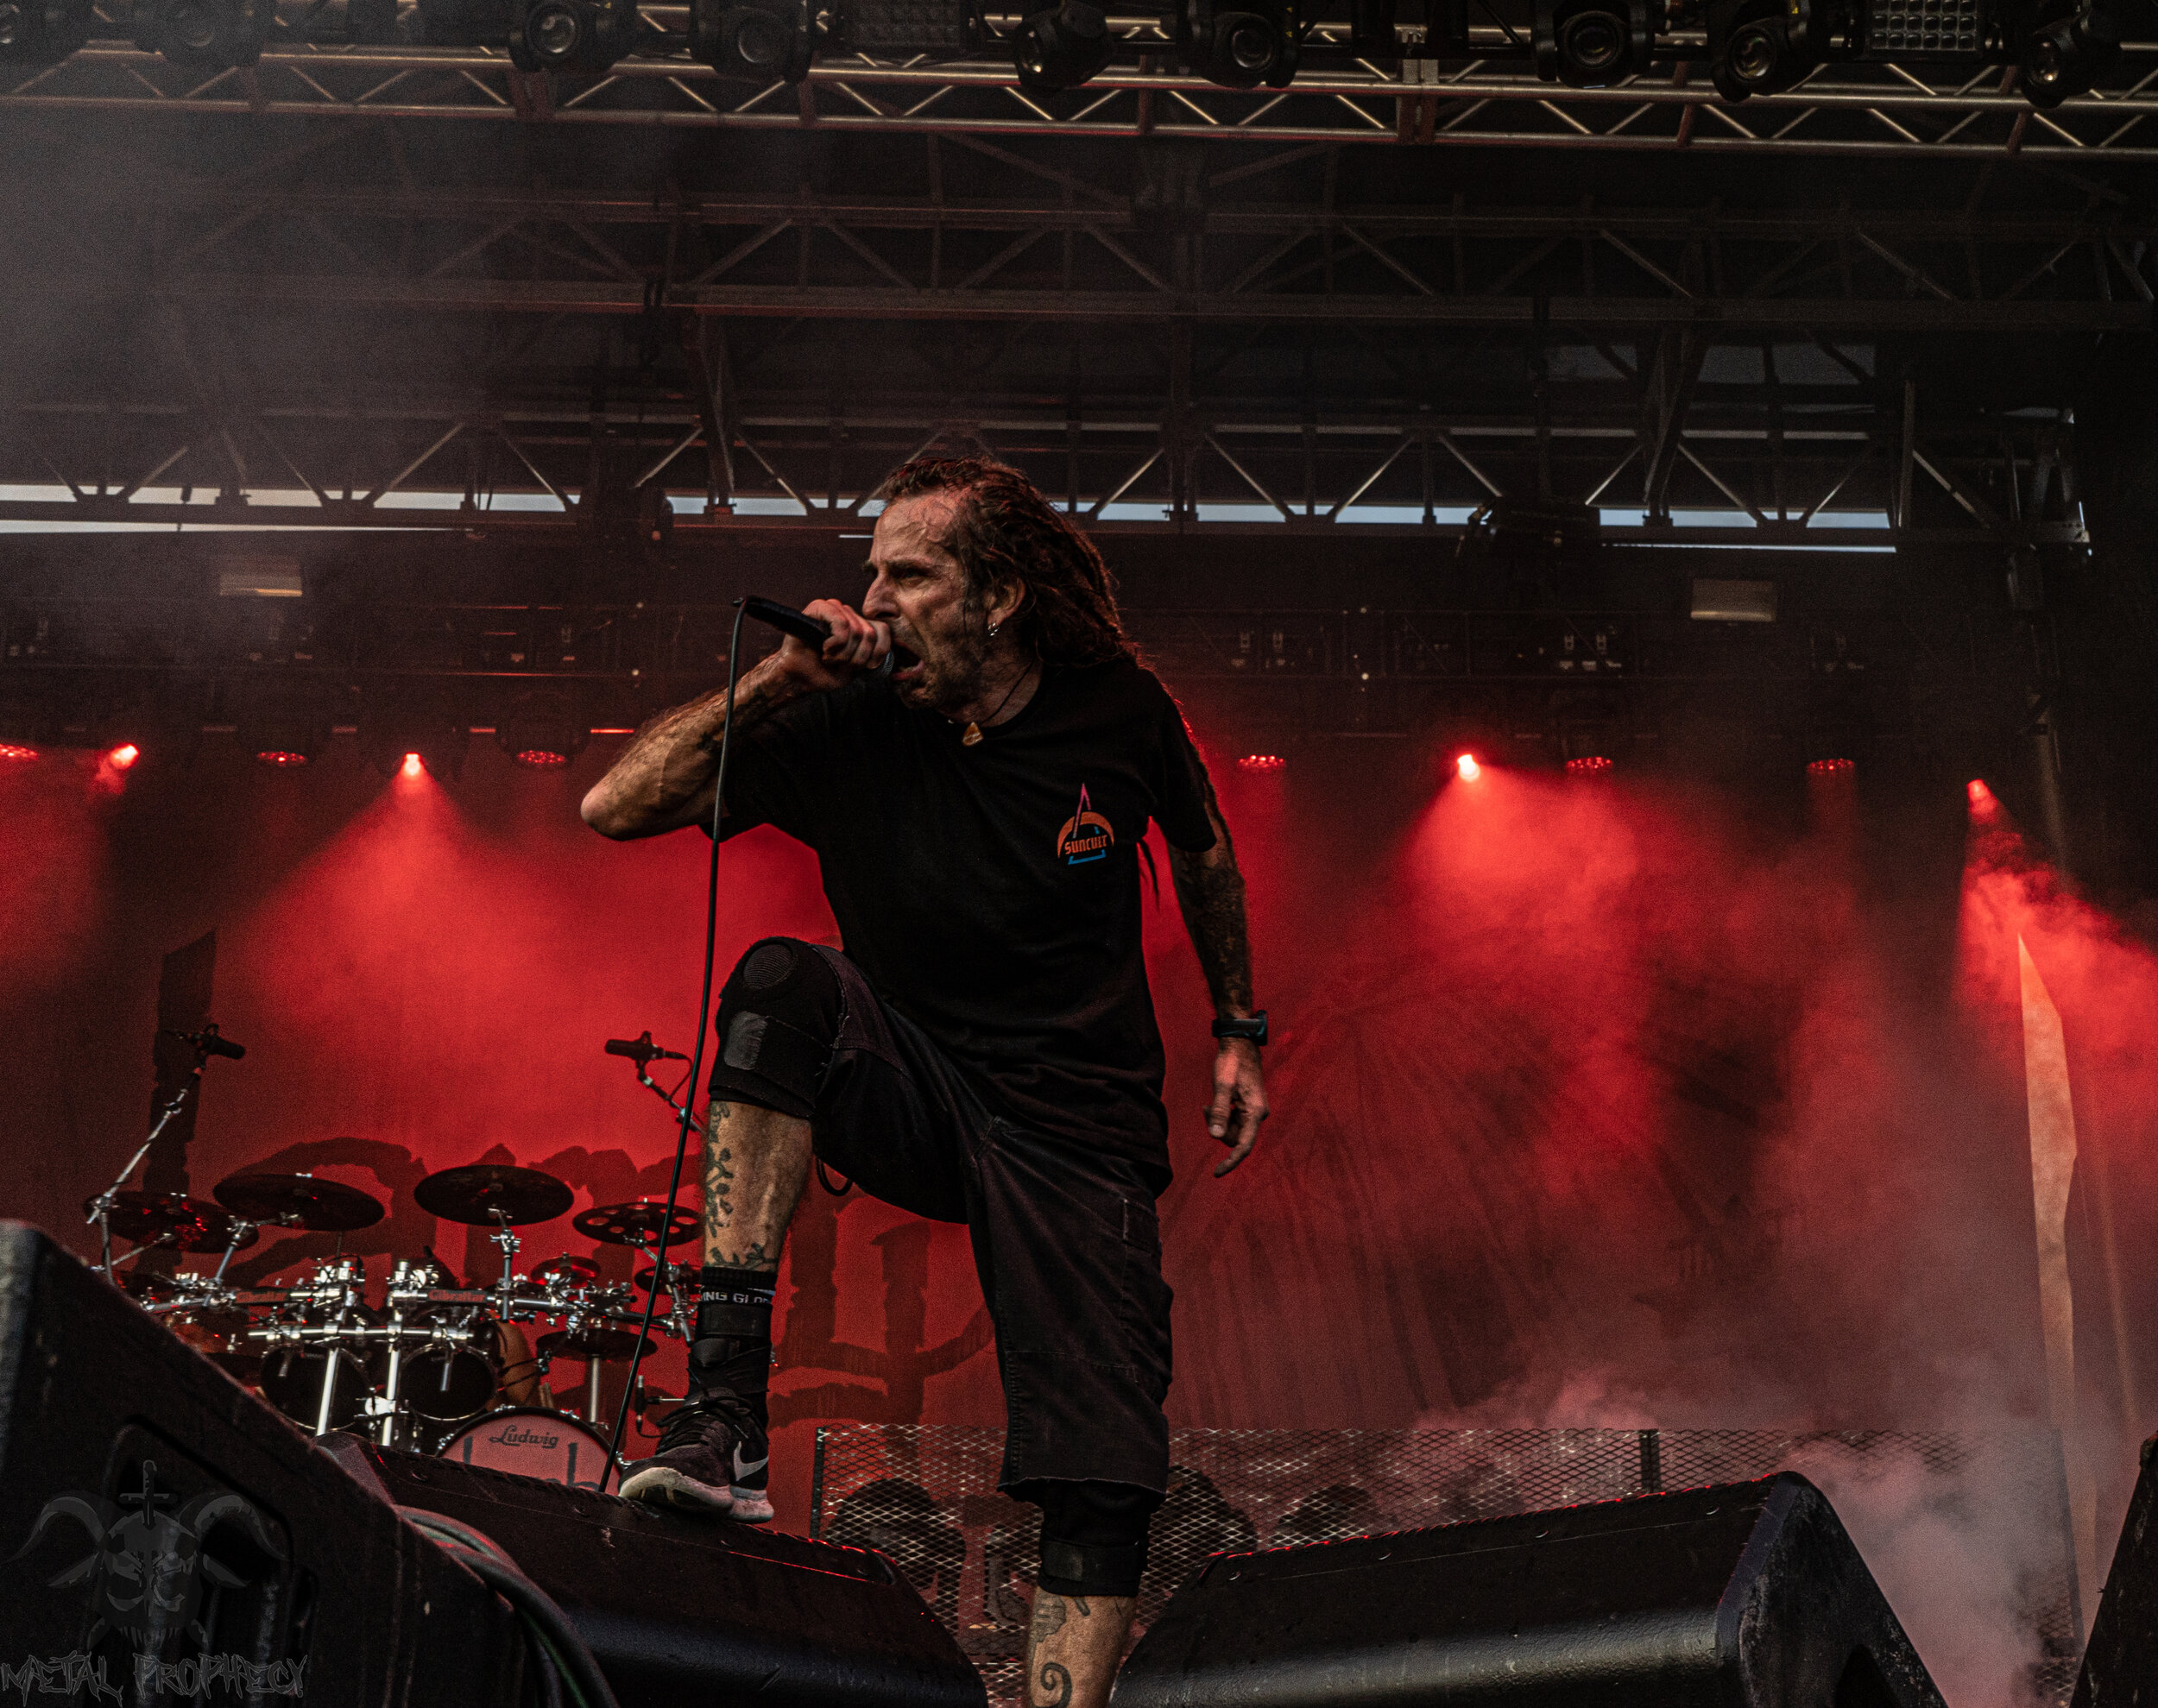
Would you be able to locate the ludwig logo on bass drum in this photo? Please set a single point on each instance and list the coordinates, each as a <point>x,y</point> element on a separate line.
<point>513,1436</point>
<point>1086,836</point>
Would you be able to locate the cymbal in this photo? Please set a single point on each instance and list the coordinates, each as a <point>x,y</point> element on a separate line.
<point>592,1342</point>
<point>567,1267</point>
<point>300,1201</point>
<point>173,1221</point>
<point>482,1193</point>
<point>683,1275</point>
<point>634,1224</point>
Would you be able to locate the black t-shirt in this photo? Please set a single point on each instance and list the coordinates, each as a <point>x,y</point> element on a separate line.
<point>991,893</point>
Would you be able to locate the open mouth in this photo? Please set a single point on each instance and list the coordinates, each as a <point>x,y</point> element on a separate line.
<point>905,663</point>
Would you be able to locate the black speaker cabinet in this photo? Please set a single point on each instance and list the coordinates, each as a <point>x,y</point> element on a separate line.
<point>2120,1664</point>
<point>679,1611</point>
<point>168,1539</point>
<point>1750,1596</point>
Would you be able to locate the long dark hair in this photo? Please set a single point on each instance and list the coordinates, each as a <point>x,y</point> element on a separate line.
<point>1003,529</point>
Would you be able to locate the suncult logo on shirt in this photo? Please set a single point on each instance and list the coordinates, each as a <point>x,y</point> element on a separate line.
<point>1086,836</point>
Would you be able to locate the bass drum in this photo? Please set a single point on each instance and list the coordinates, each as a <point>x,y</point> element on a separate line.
<point>552,1446</point>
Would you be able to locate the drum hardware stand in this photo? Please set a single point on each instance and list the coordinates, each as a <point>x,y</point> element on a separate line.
<point>504,1237</point>
<point>206,1043</point>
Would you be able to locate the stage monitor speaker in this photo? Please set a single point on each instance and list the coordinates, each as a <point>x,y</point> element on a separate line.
<point>680,1610</point>
<point>2120,1663</point>
<point>1749,1596</point>
<point>168,1540</point>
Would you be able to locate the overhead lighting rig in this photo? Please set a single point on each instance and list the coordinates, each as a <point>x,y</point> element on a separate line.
<point>1761,46</point>
<point>1062,48</point>
<point>1241,44</point>
<point>2065,50</point>
<point>1588,44</point>
<point>39,31</point>
<point>762,41</point>
<point>574,35</point>
<point>213,35</point>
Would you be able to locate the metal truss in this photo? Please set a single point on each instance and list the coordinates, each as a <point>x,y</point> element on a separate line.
<point>1918,109</point>
<point>1746,461</point>
<point>1255,244</point>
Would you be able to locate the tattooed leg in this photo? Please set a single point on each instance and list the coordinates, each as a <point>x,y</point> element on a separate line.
<point>1073,1646</point>
<point>756,1163</point>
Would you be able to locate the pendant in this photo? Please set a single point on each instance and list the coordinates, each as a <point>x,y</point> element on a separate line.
<point>972,737</point>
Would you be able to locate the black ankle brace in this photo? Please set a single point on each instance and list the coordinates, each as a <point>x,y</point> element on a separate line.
<point>736,1302</point>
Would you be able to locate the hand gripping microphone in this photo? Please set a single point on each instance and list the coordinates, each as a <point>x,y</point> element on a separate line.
<point>805,628</point>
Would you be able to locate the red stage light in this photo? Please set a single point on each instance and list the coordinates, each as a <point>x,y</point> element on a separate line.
<point>11,751</point>
<point>542,757</point>
<point>413,765</point>
<point>1593,765</point>
<point>1978,792</point>
<point>282,758</point>
<point>1261,762</point>
<point>1830,768</point>
<point>123,755</point>
<point>1466,768</point>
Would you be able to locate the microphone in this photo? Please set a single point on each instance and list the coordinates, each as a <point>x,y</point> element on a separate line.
<point>809,630</point>
<point>206,1041</point>
<point>640,1049</point>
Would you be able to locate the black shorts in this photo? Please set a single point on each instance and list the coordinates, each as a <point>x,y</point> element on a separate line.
<point>1065,1239</point>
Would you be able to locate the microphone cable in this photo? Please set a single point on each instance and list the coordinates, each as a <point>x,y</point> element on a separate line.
<point>696,1059</point>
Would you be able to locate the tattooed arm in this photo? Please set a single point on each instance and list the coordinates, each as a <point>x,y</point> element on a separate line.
<point>663,781</point>
<point>1211,893</point>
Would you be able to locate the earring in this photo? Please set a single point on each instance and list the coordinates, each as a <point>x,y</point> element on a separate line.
<point>993,627</point>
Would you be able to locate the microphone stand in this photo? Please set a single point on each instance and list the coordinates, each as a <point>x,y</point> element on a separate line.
<point>101,1206</point>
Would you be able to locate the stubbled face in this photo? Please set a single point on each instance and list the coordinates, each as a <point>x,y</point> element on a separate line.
<point>919,588</point>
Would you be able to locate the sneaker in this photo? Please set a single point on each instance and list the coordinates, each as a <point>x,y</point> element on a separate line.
<point>714,1458</point>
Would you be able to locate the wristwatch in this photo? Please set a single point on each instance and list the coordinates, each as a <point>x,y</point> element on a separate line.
<point>1254,1029</point>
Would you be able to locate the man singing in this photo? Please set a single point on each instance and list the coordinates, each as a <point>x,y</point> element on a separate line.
<point>985,1050</point>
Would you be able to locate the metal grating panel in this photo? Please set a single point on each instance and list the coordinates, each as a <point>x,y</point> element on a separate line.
<point>926,1495</point>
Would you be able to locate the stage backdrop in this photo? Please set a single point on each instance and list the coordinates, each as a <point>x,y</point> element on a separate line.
<point>1607,1102</point>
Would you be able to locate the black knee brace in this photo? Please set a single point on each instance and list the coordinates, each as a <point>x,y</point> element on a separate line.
<point>1093,1535</point>
<point>779,1015</point>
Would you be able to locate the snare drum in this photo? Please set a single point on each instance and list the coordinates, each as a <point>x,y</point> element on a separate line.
<point>552,1446</point>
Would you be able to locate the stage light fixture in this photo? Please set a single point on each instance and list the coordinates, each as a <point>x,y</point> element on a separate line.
<point>1062,48</point>
<point>1830,767</point>
<point>1243,43</point>
<point>1761,46</point>
<point>371,23</point>
<point>17,752</point>
<point>1589,765</point>
<point>539,731</point>
<point>574,35</point>
<point>940,29</point>
<point>772,39</point>
<point>1587,44</point>
<point>283,737</point>
<point>41,31</point>
<point>124,756</point>
<point>1467,769</point>
<point>2068,51</point>
<point>1261,762</point>
<point>468,24</point>
<point>391,738</point>
<point>214,34</point>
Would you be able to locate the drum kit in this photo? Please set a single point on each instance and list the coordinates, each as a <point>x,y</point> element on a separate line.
<point>434,1365</point>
